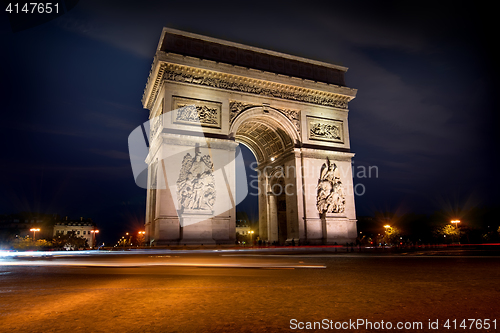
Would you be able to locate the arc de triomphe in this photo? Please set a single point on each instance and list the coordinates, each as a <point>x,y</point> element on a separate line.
<point>206,96</point>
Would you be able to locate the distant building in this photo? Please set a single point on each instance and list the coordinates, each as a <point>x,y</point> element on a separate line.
<point>242,227</point>
<point>81,228</point>
<point>14,226</point>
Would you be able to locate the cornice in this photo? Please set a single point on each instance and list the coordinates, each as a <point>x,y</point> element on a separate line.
<point>249,72</point>
<point>321,154</point>
<point>171,31</point>
<point>171,72</point>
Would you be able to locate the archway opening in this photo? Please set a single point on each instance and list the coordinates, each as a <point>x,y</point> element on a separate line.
<point>247,211</point>
<point>267,138</point>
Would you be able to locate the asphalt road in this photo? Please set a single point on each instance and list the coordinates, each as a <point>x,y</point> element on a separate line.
<point>247,291</point>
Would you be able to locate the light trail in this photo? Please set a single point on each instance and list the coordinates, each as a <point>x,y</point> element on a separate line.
<point>136,264</point>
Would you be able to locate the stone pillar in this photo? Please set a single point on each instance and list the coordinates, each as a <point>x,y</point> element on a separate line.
<point>263,207</point>
<point>166,224</point>
<point>336,229</point>
<point>195,198</point>
<point>291,189</point>
<point>197,227</point>
<point>338,226</point>
<point>299,194</point>
<point>273,217</point>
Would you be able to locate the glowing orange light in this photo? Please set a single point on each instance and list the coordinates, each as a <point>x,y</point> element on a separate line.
<point>34,232</point>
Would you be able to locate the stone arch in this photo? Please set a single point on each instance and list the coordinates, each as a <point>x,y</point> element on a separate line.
<point>265,100</point>
<point>265,131</point>
<point>272,137</point>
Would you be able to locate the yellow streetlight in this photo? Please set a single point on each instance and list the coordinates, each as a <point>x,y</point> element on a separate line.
<point>455,222</point>
<point>139,240</point>
<point>34,232</point>
<point>251,237</point>
<point>387,227</point>
<point>94,232</point>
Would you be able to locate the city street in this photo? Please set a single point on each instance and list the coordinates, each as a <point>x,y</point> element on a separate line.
<point>242,291</point>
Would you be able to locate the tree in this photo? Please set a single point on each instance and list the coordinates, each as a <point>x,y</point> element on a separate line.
<point>140,239</point>
<point>27,243</point>
<point>70,241</point>
<point>124,242</point>
<point>448,231</point>
<point>392,235</point>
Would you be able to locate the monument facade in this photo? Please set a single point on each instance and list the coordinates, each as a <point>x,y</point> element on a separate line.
<point>206,96</point>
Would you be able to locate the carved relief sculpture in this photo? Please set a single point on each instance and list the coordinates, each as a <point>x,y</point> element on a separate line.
<point>330,195</point>
<point>325,129</point>
<point>197,113</point>
<point>193,111</point>
<point>236,107</point>
<point>196,183</point>
<point>294,117</point>
<point>156,122</point>
<point>156,125</point>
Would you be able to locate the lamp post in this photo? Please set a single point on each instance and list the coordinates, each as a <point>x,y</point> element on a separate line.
<point>387,227</point>
<point>34,232</point>
<point>140,239</point>
<point>95,231</point>
<point>128,239</point>
<point>456,222</point>
<point>251,237</point>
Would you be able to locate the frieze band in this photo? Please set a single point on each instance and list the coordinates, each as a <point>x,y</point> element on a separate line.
<point>184,74</point>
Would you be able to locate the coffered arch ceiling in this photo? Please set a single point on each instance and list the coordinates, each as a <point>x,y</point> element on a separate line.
<point>265,136</point>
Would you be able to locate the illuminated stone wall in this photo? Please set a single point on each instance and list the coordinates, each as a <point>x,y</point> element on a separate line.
<point>204,108</point>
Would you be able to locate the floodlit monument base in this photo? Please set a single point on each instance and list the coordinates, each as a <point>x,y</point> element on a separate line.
<point>197,229</point>
<point>206,96</point>
<point>338,229</point>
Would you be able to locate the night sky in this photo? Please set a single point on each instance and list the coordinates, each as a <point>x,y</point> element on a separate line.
<point>425,113</point>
